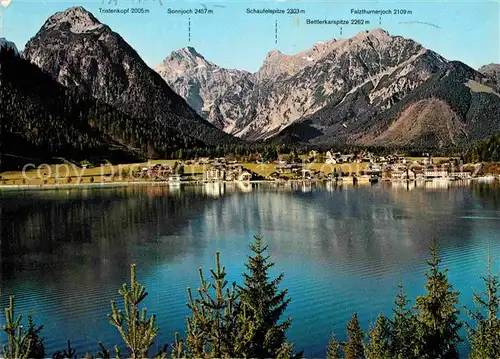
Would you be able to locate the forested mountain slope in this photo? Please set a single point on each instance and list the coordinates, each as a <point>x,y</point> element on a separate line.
<point>80,52</point>
<point>41,119</point>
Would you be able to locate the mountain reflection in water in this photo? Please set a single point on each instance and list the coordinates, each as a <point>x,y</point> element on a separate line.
<point>64,254</point>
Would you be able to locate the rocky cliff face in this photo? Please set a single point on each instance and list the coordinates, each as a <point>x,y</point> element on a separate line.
<point>367,73</point>
<point>80,52</point>
<point>279,66</point>
<point>341,79</point>
<point>453,107</point>
<point>202,83</point>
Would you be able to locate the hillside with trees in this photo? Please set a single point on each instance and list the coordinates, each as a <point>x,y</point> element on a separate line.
<point>41,119</point>
<point>485,151</point>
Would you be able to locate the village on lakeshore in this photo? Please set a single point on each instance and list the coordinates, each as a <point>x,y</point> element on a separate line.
<point>329,166</point>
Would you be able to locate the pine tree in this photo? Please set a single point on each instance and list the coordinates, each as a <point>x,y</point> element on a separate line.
<point>286,352</point>
<point>213,327</point>
<point>37,347</point>
<point>402,328</point>
<point>379,347</point>
<point>437,313</point>
<point>245,332</point>
<point>178,348</point>
<point>354,348</point>
<point>70,353</point>
<point>333,351</point>
<point>18,342</point>
<point>137,331</point>
<point>484,338</point>
<point>265,304</point>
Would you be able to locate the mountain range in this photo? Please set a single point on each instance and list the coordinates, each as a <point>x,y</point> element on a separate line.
<point>78,90</point>
<point>371,89</point>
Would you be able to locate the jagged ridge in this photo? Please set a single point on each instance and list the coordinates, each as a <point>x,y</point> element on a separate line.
<point>337,80</point>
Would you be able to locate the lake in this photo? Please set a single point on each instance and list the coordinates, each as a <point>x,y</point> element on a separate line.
<point>65,253</point>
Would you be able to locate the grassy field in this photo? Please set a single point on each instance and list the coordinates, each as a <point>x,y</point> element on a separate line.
<point>66,173</point>
<point>66,170</point>
<point>434,159</point>
<point>266,169</point>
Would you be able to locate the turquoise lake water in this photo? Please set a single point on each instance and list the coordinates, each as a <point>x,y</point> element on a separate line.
<point>64,254</point>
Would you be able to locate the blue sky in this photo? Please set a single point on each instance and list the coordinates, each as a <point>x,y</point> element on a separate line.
<point>465,31</point>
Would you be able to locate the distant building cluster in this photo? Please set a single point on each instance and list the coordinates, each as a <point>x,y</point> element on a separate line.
<point>363,166</point>
<point>160,172</point>
<point>221,169</point>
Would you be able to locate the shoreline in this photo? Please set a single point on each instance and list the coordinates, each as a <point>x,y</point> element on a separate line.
<point>124,184</point>
<point>347,181</point>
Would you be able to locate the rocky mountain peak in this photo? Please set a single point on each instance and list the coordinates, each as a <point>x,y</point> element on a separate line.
<point>201,83</point>
<point>79,52</point>
<point>77,19</point>
<point>378,36</point>
<point>189,51</point>
<point>277,64</point>
<point>378,32</point>
<point>273,54</point>
<point>362,75</point>
<point>182,61</point>
<point>374,33</point>
<point>187,55</point>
